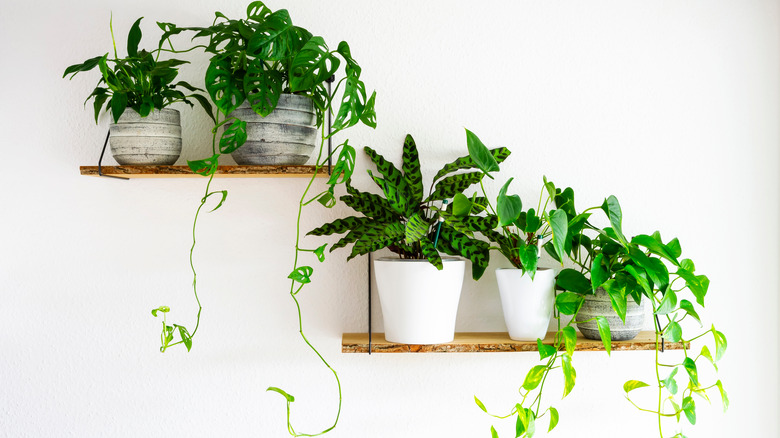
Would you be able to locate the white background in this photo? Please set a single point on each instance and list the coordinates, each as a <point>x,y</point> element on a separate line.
<point>672,106</point>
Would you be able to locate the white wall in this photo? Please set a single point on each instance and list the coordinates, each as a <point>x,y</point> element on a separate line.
<point>672,106</point>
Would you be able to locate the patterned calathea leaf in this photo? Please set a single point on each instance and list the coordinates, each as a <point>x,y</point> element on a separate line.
<point>395,195</point>
<point>393,178</point>
<point>449,186</point>
<point>369,204</point>
<point>375,237</point>
<point>339,226</point>
<point>416,228</point>
<point>500,154</point>
<point>430,253</point>
<point>411,170</point>
<point>454,243</point>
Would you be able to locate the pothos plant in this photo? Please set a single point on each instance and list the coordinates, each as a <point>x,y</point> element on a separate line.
<point>255,60</point>
<point>407,222</point>
<point>646,268</point>
<point>139,80</point>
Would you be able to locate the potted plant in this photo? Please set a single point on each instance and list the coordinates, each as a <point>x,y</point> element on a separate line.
<point>271,75</point>
<point>419,290</point>
<point>139,90</point>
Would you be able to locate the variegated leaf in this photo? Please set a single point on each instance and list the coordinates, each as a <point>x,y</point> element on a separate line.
<point>431,253</point>
<point>500,154</point>
<point>339,226</point>
<point>416,228</point>
<point>449,186</point>
<point>411,170</point>
<point>395,195</point>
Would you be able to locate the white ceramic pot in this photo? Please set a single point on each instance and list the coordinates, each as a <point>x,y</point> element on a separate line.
<point>151,140</point>
<point>527,303</point>
<point>287,136</point>
<point>419,302</point>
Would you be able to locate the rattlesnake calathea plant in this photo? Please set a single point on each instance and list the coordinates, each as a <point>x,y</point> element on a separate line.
<point>407,222</point>
<point>255,60</point>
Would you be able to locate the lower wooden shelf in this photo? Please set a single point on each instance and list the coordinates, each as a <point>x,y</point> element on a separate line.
<point>486,342</point>
<point>186,172</point>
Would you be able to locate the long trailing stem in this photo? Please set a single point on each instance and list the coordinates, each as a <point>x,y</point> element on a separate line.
<point>293,293</point>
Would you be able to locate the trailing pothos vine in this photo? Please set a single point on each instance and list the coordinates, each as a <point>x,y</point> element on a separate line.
<point>256,60</point>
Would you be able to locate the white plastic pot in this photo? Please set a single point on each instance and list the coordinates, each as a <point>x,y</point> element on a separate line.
<point>419,302</point>
<point>527,303</point>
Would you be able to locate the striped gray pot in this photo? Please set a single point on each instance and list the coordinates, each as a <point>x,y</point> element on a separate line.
<point>151,140</point>
<point>287,136</point>
<point>600,305</point>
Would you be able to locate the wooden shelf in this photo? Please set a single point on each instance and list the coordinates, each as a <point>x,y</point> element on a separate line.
<point>484,342</point>
<point>186,172</point>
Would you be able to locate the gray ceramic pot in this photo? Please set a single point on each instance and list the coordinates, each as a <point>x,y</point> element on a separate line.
<point>151,140</point>
<point>287,136</point>
<point>600,305</point>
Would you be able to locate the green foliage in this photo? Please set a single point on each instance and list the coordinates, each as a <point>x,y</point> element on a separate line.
<point>139,81</point>
<point>402,221</point>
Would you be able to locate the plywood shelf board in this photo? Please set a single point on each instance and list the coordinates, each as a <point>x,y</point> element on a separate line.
<point>186,172</point>
<point>476,342</point>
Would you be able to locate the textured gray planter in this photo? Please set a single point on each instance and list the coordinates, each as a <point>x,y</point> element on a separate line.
<point>600,305</point>
<point>285,137</point>
<point>151,140</point>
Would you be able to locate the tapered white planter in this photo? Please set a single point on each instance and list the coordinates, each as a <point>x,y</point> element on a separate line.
<point>419,302</point>
<point>287,136</point>
<point>600,305</point>
<point>527,303</point>
<point>151,140</point>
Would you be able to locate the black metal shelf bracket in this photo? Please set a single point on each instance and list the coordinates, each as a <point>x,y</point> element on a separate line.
<point>100,160</point>
<point>369,303</point>
<point>658,324</point>
<point>330,146</point>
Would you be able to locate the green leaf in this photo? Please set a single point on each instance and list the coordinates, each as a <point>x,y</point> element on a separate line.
<point>412,173</point>
<point>87,65</point>
<point>225,90</point>
<point>612,208</point>
<point>416,228</point>
<point>553,418</point>
<point>604,332</point>
<point>461,205</point>
<point>312,65</point>
<point>233,137</point>
<point>569,374</point>
<point>320,252</point>
<point>617,297</point>
<point>273,38</point>
<point>560,228</point>
<point>302,274</point>
<point>451,185</point>
<point>262,87</point>
<point>118,105</point>
<point>676,407</point>
<point>598,275</point>
<point>185,336</point>
<point>352,67</point>
<point>369,204</point>
<point>339,226</point>
<point>508,208</point>
<point>698,284</point>
<point>720,344</point>
<point>206,166</point>
<point>493,432</point>
<point>640,275</point>
<point>688,307</point>
<point>430,253</point>
<point>690,368</point>
<point>133,38</point>
<point>163,309</point>
<point>224,194</point>
<point>395,194</point>
<point>345,165</point>
<point>257,11</point>
<point>545,350</point>
<point>572,280</point>
<point>632,385</point>
<point>724,397</point>
<point>532,222</point>
<point>569,339</point>
<point>368,116</point>
<point>568,303</point>
<point>204,103</point>
<point>657,247</point>
<point>455,243</point>
<point>480,154</point>
<point>480,404</point>
<point>287,396</point>
<point>534,377</point>
<point>352,103</point>
<point>673,332</point>
<point>499,154</point>
<point>529,256</point>
<point>394,185</point>
<point>668,303</point>
<point>689,408</point>
<point>670,384</point>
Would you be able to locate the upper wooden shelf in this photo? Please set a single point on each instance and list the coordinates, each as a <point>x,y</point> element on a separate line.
<point>490,342</point>
<point>186,172</point>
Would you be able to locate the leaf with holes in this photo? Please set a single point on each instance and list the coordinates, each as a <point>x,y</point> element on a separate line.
<point>320,252</point>
<point>225,90</point>
<point>262,87</point>
<point>162,309</point>
<point>206,166</point>
<point>345,165</point>
<point>272,38</point>
<point>233,137</point>
<point>368,115</point>
<point>312,65</point>
<point>352,103</point>
<point>302,274</point>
